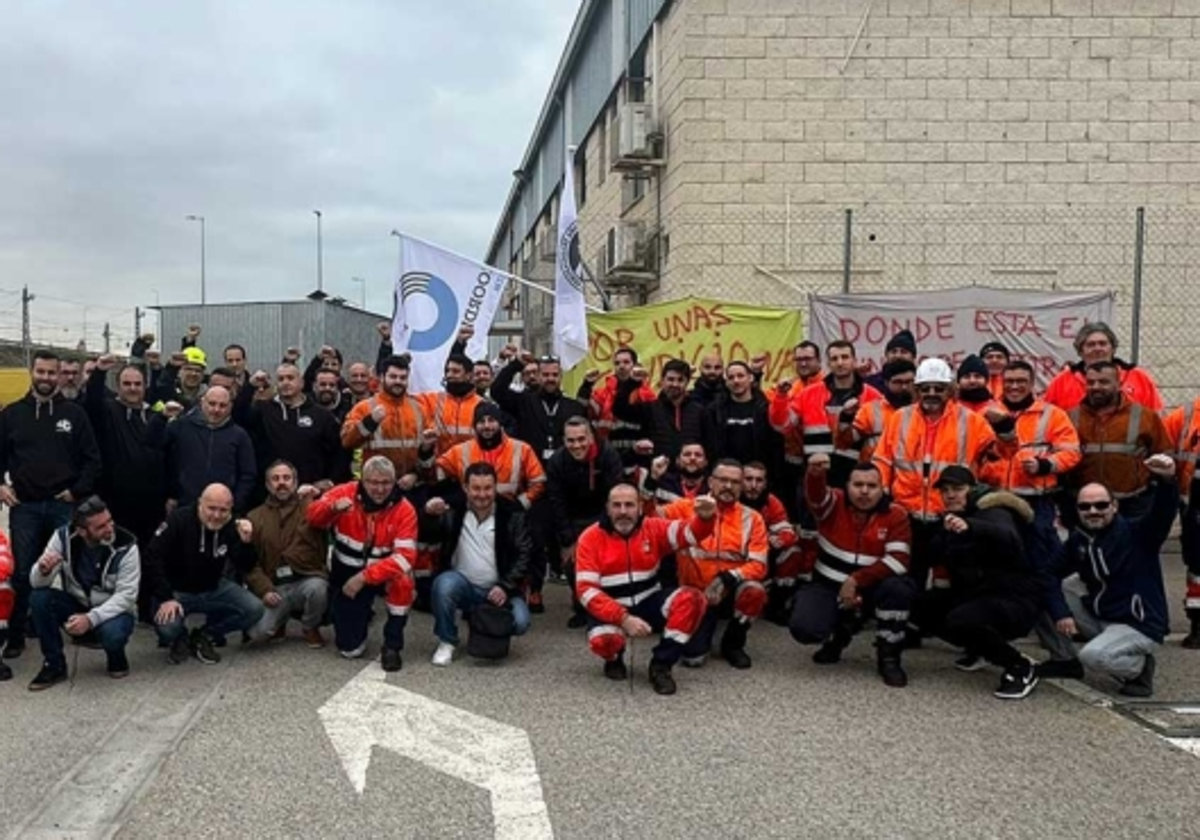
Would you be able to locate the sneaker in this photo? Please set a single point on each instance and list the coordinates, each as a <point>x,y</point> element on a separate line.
<point>615,669</point>
<point>5,673</point>
<point>181,650</point>
<point>353,654</point>
<point>829,653</point>
<point>535,603</point>
<point>14,648</point>
<point>47,677</point>
<point>970,662</point>
<point>390,660</point>
<point>221,641</point>
<point>118,665</point>
<point>313,638</point>
<point>738,658</point>
<point>1142,685</point>
<point>204,649</point>
<point>576,621</point>
<point>444,654</point>
<point>1016,684</point>
<point>694,661</point>
<point>660,677</point>
<point>1059,669</point>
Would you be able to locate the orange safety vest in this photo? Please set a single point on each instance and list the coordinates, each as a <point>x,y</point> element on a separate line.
<point>1042,431</point>
<point>1183,427</point>
<point>864,432</point>
<point>519,473</point>
<point>1115,443</point>
<point>453,417</point>
<point>397,438</point>
<point>738,545</point>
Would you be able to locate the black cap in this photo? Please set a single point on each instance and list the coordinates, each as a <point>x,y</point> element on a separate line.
<point>486,408</point>
<point>955,474</point>
<point>993,347</point>
<point>971,364</point>
<point>903,340</point>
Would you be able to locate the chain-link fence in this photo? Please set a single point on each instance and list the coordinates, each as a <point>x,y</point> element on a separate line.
<point>778,254</point>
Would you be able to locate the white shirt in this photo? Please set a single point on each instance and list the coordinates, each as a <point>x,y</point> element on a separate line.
<point>475,556</point>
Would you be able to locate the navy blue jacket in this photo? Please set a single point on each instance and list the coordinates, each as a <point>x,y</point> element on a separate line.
<point>199,455</point>
<point>1121,567</point>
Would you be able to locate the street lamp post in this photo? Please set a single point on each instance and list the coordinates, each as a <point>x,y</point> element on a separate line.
<point>362,292</point>
<point>320,259</point>
<point>400,242</point>
<point>203,283</point>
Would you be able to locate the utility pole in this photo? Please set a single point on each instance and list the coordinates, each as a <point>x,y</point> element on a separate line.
<point>320,255</point>
<point>26,340</point>
<point>107,339</point>
<point>137,323</point>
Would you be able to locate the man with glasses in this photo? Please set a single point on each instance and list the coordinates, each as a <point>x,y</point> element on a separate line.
<point>86,582</point>
<point>1121,609</point>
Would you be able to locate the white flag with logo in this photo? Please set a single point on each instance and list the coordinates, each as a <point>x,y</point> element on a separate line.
<point>438,293</point>
<point>570,318</point>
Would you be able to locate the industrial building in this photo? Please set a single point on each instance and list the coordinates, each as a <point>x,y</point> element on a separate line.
<point>760,150</point>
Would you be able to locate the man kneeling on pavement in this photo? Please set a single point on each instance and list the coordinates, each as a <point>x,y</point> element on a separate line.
<point>617,582</point>
<point>486,548</point>
<point>85,582</point>
<point>1119,603</point>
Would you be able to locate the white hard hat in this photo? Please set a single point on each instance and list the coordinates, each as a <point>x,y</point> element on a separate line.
<point>934,370</point>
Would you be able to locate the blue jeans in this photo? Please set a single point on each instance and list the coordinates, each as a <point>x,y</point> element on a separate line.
<point>30,524</point>
<point>52,607</point>
<point>453,592</point>
<point>226,608</point>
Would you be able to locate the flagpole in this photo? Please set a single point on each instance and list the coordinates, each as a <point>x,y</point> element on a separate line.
<point>529,284</point>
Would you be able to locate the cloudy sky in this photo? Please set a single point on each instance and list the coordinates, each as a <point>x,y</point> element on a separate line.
<point>119,119</point>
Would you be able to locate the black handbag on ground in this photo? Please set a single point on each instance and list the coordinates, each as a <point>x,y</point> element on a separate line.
<point>491,629</point>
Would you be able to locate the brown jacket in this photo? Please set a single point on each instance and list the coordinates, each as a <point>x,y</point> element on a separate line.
<point>1115,442</point>
<point>283,538</point>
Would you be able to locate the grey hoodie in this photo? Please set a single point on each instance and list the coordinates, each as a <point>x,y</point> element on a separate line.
<point>120,574</point>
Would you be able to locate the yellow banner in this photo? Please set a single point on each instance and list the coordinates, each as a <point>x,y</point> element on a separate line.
<point>690,329</point>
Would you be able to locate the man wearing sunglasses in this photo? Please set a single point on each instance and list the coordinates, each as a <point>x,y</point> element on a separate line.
<point>1122,613</point>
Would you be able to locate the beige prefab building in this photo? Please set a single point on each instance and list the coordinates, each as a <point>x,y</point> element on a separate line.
<point>760,150</point>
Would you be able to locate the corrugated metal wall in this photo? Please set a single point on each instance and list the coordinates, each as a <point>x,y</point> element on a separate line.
<point>266,330</point>
<point>592,77</point>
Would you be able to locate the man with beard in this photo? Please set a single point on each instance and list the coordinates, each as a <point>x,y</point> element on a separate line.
<point>327,392</point>
<point>735,424</point>
<point>686,480</point>
<point>235,361</point>
<point>1116,435</point>
<point>863,432</point>
<point>620,434</point>
<point>578,478</point>
<point>729,567</point>
<point>973,392</point>
<point>389,423</point>
<point>539,412</point>
<point>1123,610</point>
<point>452,411</point>
<point>1098,343</point>
<point>671,419</point>
<point>132,438</point>
<point>996,358</point>
<point>862,567</point>
<point>617,582</point>
<point>204,448</point>
<point>48,452</point>
<point>70,380</point>
<point>519,474</point>
<point>290,576</point>
<point>817,409</point>
<point>711,383</point>
<point>374,548</point>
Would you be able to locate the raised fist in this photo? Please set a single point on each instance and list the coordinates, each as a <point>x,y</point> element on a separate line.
<point>245,529</point>
<point>466,332</point>
<point>429,438</point>
<point>384,328</point>
<point>659,467</point>
<point>639,373</point>
<point>705,506</point>
<point>292,354</point>
<point>783,386</point>
<point>592,376</point>
<point>644,447</point>
<point>819,463</point>
<point>436,506</point>
<point>193,331</point>
<point>178,360</point>
<point>342,505</point>
<point>106,362</point>
<point>172,409</point>
<point>378,413</point>
<point>758,361</point>
<point>147,338</point>
<point>327,352</point>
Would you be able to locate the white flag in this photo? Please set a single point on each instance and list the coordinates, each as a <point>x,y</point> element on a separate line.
<point>570,319</point>
<point>438,293</point>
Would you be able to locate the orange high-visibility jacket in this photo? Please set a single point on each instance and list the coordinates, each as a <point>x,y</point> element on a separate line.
<point>1183,427</point>
<point>738,544</point>
<point>621,434</point>
<point>1115,442</point>
<point>1042,431</point>
<point>519,473</point>
<point>778,416</point>
<point>863,434</point>
<point>1069,387</point>
<point>453,417</point>
<point>912,454</point>
<point>396,438</point>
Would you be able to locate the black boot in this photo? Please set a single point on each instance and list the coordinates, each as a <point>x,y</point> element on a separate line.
<point>779,605</point>
<point>5,671</point>
<point>1192,640</point>
<point>733,645</point>
<point>830,653</point>
<point>660,677</point>
<point>615,669</point>
<point>888,664</point>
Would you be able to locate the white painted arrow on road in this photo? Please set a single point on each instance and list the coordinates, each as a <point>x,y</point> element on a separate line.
<point>483,752</point>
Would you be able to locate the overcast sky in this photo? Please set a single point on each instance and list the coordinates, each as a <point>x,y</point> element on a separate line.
<point>119,119</point>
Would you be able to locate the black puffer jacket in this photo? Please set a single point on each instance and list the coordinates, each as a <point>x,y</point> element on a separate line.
<point>991,556</point>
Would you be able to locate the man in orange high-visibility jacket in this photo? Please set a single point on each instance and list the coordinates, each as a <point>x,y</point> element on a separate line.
<point>996,357</point>
<point>783,559</point>
<point>452,411</point>
<point>806,361</point>
<point>519,473</point>
<point>618,582</point>
<point>1183,427</point>
<point>729,566</point>
<point>390,423</point>
<point>863,432</point>
<point>920,441</point>
<point>599,394</point>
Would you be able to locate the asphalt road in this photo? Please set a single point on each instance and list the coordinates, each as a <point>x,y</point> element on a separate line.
<point>787,749</point>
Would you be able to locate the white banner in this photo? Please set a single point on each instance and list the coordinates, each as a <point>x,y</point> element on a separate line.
<point>438,293</point>
<point>570,319</point>
<point>1038,327</point>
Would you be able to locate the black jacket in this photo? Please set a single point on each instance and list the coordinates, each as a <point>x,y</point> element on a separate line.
<point>538,423</point>
<point>578,490</point>
<point>184,556</point>
<point>132,442</point>
<point>754,442</point>
<point>666,425</point>
<point>48,447</point>
<point>514,545</point>
<point>991,557</point>
<point>308,436</point>
<point>198,456</point>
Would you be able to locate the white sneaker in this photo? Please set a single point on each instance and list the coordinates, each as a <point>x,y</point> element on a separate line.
<point>354,654</point>
<point>444,654</point>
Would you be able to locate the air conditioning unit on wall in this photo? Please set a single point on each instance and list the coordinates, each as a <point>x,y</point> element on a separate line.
<point>627,247</point>
<point>548,245</point>
<point>634,138</point>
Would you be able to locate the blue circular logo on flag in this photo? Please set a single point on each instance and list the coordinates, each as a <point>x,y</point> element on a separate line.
<point>418,290</point>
